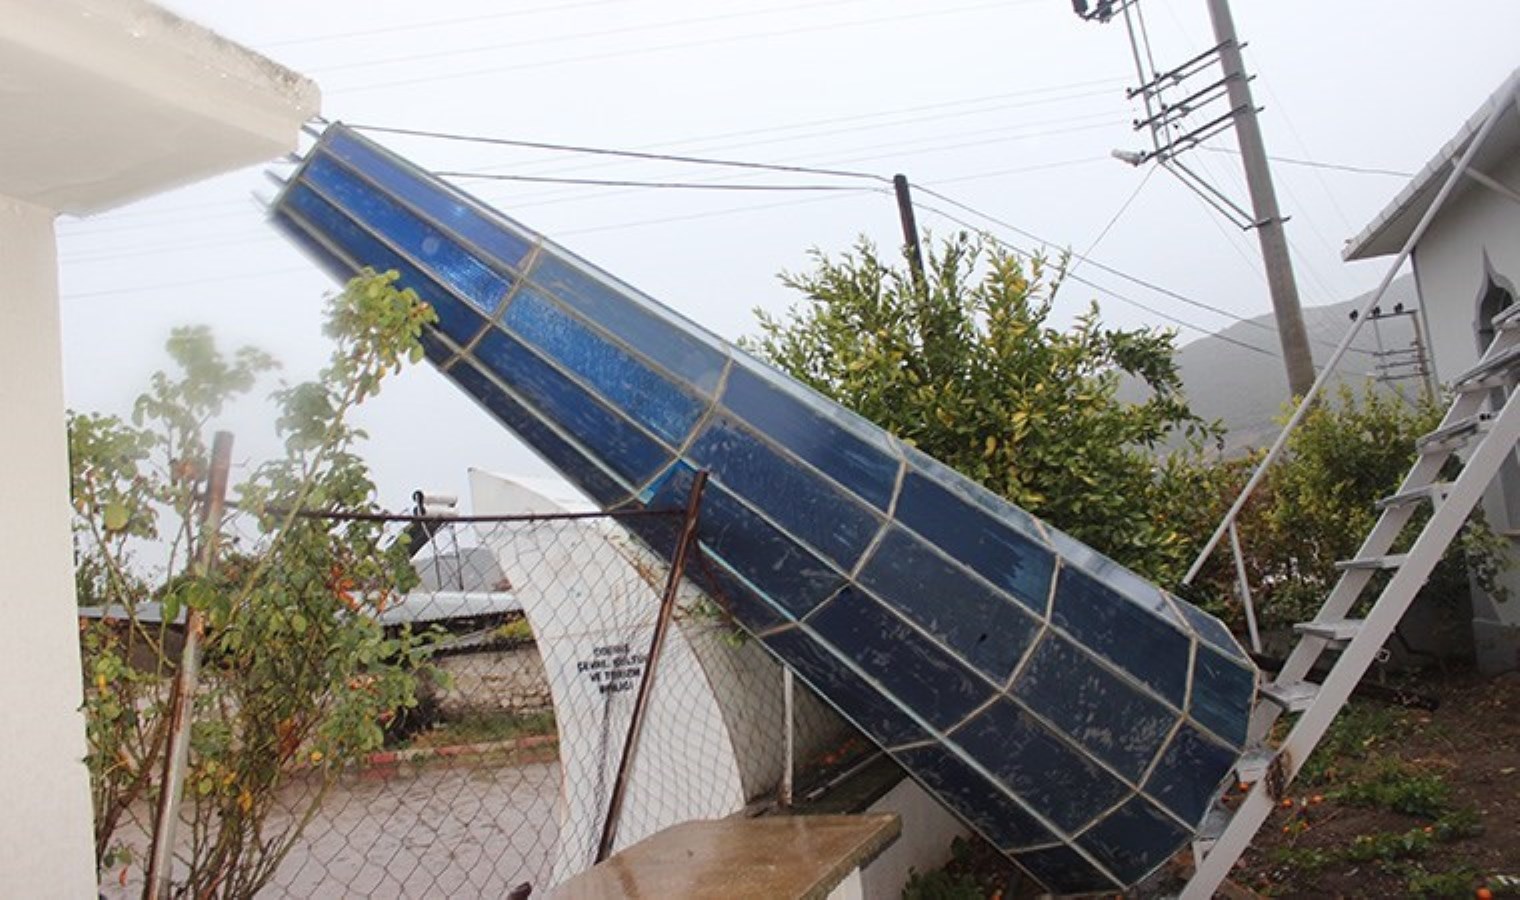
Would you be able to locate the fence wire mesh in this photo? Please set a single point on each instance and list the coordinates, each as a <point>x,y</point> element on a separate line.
<point>532,637</point>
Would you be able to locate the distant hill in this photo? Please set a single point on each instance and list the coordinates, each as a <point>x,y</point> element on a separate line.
<point>1246,390</point>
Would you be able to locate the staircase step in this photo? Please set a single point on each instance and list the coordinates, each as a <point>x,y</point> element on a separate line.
<point>1292,696</point>
<point>1453,435</point>
<point>1491,370</point>
<point>1391,561</point>
<point>1336,631</point>
<point>1254,763</point>
<point>1432,492</point>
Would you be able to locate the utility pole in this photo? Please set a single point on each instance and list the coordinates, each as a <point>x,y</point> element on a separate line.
<point>910,231</point>
<point>1269,222</point>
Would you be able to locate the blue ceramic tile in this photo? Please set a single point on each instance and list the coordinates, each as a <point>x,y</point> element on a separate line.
<point>339,268</point>
<point>983,626</point>
<point>738,597</point>
<point>1126,635</point>
<point>1222,694</point>
<point>1189,773</point>
<point>791,418</point>
<point>817,513</point>
<point>778,568</point>
<point>1134,840</point>
<point>434,347</point>
<point>455,318</point>
<point>1064,871</point>
<point>622,312</point>
<point>1118,579</point>
<point>1050,774</point>
<point>1005,556</point>
<point>1003,512</point>
<point>616,442</point>
<point>922,675</point>
<point>855,698</point>
<point>424,245</point>
<point>626,384</point>
<point>1210,629</point>
<point>996,816</point>
<point>447,207</point>
<point>565,457</point>
<point>1099,710</point>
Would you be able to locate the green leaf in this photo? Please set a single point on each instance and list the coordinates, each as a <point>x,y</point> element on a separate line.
<point>116,516</point>
<point>172,602</point>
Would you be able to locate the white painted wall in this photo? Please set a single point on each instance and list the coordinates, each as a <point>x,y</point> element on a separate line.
<point>1477,236</point>
<point>928,830</point>
<point>1450,268</point>
<point>105,101</point>
<point>45,823</point>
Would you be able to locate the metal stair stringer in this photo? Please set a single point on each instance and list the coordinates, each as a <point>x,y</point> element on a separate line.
<point>1488,453</point>
<point>1425,472</point>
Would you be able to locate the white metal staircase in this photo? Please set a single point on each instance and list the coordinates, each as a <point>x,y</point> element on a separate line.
<point>1485,431</point>
<point>1489,437</point>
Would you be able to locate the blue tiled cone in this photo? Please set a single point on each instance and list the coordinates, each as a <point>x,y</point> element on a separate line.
<point>1075,715</point>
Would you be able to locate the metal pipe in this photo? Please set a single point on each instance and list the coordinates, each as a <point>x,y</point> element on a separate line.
<point>789,756</point>
<point>182,696</point>
<point>1245,589</point>
<point>651,665</point>
<point>1340,350</point>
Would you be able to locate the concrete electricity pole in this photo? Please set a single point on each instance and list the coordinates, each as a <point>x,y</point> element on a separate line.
<point>1269,223</point>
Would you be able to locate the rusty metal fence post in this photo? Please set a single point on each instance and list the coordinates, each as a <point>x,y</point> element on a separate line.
<point>182,698</point>
<point>656,643</point>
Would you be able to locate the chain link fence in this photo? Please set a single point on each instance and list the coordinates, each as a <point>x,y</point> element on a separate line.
<point>537,632</point>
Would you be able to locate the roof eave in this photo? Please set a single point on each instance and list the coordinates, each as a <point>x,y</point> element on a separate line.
<point>1391,228</point>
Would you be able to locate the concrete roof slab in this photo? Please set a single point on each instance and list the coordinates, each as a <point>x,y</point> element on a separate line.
<point>108,101</point>
<point>1387,232</point>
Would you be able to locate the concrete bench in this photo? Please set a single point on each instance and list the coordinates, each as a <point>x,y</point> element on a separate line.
<point>776,857</point>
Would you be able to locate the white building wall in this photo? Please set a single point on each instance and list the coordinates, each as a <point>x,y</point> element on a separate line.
<point>46,842</point>
<point>1476,240</point>
<point>1450,266</point>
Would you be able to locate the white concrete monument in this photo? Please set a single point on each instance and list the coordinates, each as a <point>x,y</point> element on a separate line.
<point>591,597</point>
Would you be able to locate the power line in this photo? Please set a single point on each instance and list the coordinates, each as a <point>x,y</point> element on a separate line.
<point>540,40</point>
<point>1105,290</point>
<point>866,126</point>
<point>1114,219</point>
<point>262,235</point>
<point>678,185</point>
<point>435,23</point>
<point>681,45</point>
<point>116,221</point>
<point>709,214</point>
<point>194,282</point>
<point>627,154</point>
<point>1134,279</point>
<point>1314,164</point>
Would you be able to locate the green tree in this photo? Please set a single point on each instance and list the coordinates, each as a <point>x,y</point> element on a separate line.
<point>1319,502</point>
<point>299,675</point>
<point>969,369</point>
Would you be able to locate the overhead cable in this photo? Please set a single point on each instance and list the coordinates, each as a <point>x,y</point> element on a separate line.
<point>627,154</point>
<point>1315,164</point>
<point>1133,279</point>
<point>678,185</point>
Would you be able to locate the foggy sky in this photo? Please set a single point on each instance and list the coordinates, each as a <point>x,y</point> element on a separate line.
<point>1011,107</point>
